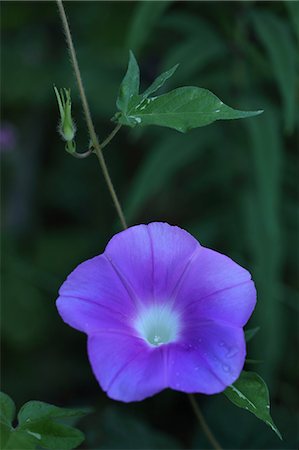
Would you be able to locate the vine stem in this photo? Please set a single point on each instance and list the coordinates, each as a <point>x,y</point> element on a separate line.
<point>89,122</point>
<point>202,422</point>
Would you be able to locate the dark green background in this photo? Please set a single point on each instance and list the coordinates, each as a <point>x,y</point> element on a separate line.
<point>234,185</point>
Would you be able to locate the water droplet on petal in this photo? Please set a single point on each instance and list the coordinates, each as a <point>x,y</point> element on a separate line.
<point>199,340</point>
<point>196,369</point>
<point>233,351</point>
<point>225,367</point>
<point>221,343</point>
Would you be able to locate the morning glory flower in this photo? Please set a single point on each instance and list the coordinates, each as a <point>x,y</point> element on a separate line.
<point>160,311</point>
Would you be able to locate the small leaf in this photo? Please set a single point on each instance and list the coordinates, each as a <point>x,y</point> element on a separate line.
<point>159,81</point>
<point>182,109</point>
<point>249,334</point>
<point>7,409</point>
<point>7,414</point>
<point>250,392</point>
<point>130,84</point>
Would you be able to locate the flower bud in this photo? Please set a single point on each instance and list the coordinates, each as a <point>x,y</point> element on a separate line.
<point>67,127</point>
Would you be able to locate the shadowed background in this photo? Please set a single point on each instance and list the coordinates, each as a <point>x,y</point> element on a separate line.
<point>233,185</point>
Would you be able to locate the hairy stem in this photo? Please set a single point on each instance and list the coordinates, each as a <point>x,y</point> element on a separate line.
<point>89,122</point>
<point>204,426</point>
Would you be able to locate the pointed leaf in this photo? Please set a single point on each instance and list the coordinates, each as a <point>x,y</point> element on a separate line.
<point>250,392</point>
<point>182,109</point>
<point>130,84</point>
<point>159,81</point>
<point>249,334</point>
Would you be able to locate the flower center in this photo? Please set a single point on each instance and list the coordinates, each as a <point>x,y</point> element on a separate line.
<point>158,324</point>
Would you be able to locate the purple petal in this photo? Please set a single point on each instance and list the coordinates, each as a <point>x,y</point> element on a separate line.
<point>93,297</point>
<point>126,367</point>
<point>151,258</point>
<point>218,287</point>
<point>208,358</point>
<point>90,317</point>
<point>233,305</point>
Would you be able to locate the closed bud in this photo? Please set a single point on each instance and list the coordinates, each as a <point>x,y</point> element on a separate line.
<point>67,127</point>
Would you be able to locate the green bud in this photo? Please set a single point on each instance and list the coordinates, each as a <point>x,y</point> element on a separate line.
<point>70,147</point>
<point>67,127</point>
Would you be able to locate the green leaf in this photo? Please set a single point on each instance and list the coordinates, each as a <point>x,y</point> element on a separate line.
<point>182,109</point>
<point>249,334</point>
<point>40,421</point>
<point>35,410</point>
<point>159,81</point>
<point>39,424</point>
<point>7,414</point>
<point>7,409</point>
<point>21,440</point>
<point>250,392</point>
<point>52,435</point>
<point>130,84</point>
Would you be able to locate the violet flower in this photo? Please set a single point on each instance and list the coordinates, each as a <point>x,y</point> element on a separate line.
<point>160,311</point>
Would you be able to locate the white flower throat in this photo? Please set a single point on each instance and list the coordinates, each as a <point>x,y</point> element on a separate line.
<point>158,324</point>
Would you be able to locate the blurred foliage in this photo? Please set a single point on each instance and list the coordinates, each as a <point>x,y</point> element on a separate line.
<point>233,185</point>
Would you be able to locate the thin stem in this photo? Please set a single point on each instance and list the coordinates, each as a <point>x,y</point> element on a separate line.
<point>111,136</point>
<point>82,155</point>
<point>89,122</point>
<point>203,423</point>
